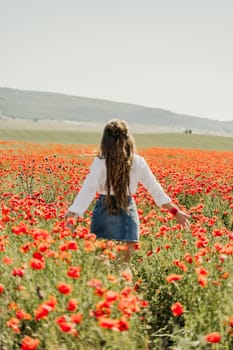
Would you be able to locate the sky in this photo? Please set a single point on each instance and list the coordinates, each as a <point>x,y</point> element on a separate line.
<point>171,54</point>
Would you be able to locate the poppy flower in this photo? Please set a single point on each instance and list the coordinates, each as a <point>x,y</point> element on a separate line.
<point>66,327</point>
<point>64,288</point>
<point>1,288</point>
<point>74,271</point>
<point>6,260</point>
<point>202,281</point>
<point>106,322</point>
<point>22,315</point>
<point>177,309</point>
<point>72,304</point>
<point>174,277</point>
<point>122,325</point>
<point>29,343</point>
<point>214,337</point>
<point>37,264</point>
<point>13,323</point>
<point>18,272</point>
<point>76,318</point>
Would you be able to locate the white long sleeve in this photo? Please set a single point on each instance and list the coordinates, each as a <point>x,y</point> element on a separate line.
<point>88,190</point>
<point>149,181</point>
<point>96,179</point>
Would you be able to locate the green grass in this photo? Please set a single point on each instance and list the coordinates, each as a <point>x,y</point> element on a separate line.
<point>142,140</point>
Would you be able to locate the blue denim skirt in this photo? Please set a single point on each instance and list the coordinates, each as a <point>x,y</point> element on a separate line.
<point>122,227</point>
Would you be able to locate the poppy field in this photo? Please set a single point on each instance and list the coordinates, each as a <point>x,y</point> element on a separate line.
<point>63,289</point>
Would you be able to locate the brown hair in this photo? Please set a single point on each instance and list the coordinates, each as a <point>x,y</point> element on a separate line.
<point>117,147</point>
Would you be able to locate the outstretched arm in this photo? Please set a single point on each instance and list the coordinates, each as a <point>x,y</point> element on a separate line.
<point>161,198</point>
<point>181,217</point>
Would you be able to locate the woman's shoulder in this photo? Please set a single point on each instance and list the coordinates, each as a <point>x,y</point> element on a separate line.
<point>97,162</point>
<point>137,158</point>
<point>138,161</point>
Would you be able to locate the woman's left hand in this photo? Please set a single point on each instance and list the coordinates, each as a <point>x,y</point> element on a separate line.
<point>70,218</point>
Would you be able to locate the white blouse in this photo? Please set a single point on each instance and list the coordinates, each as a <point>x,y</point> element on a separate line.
<point>96,179</point>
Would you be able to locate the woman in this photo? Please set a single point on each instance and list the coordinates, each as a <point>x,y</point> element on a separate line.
<point>115,175</point>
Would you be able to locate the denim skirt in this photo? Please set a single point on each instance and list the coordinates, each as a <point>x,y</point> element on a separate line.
<point>122,227</point>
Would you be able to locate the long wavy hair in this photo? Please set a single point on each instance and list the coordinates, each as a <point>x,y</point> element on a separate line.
<point>117,148</point>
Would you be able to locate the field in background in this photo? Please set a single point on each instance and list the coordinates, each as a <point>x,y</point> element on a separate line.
<point>174,140</point>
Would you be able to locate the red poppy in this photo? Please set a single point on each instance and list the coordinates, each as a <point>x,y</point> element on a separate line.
<point>76,318</point>
<point>174,277</point>
<point>64,288</point>
<point>122,325</point>
<point>37,264</point>
<point>18,272</point>
<point>202,281</point>
<point>214,337</point>
<point>111,296</point>
<point>6,260</point>
<point>66,327</point>
<point>177,309</point>
<point>13,323</point>
<point>74,271</point>
<point>22,315</point>
<point>1,288</point>
<point>72,245</point>
<point>29,343</point>
<point>106,322</point>
<point>72,304</point>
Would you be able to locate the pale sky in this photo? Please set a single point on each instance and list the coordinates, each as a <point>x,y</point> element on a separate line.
<point>171,54</point>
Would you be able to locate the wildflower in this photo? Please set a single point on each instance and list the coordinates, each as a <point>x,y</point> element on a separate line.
<point>72,245</point>
<point>6,260</point>
<point>188,258</point>
<point>95,283</point>
<point>52,301</point>
<point>72,304</point>
<point>29,343</point>
<point>13,323</point>
<point>64,288</point>
<point>174,277</point>
<point>21,229</point>
<point>180,264</point>
<point>66,327</point>
<point>231,321</point>
<point>202,280</point>
<point>18,272</point>
<point>76,318</point>
<point>74,271</point>
<point>201,271</point>
<point>42,311</point>
<point>1,288</point>
<point>122,325</point>
<point>177,309</point>
<point>111,296</point>
<point>213,337</point>
<point>37,264</point>
<point>22,315</point>
<point>106,322</point>
<point>127,275</point>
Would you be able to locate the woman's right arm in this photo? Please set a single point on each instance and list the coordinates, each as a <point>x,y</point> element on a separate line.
<point>87,192</point>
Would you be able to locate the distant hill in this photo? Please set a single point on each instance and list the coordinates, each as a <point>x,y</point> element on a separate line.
<point>33,105</point>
